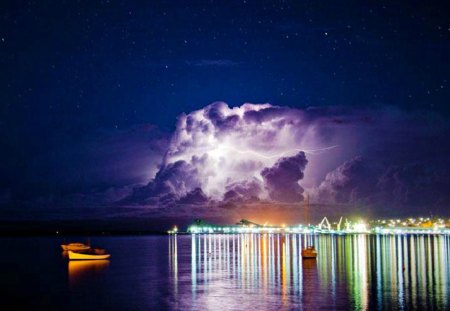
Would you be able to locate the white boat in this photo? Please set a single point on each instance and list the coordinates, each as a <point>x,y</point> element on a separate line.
<point>92,254</point>
<point>75,247</point>
<point>309,252</point>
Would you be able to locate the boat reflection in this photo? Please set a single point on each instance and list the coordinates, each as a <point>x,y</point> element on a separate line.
<point>362,271</point>
<point>80,270</point>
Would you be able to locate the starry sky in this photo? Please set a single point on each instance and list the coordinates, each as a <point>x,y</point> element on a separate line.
<point>91,90</point>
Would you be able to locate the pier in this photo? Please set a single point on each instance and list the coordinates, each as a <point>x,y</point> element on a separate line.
<point>411,226</point>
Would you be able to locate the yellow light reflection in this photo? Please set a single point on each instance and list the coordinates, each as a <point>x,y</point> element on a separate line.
<point>81,269</point>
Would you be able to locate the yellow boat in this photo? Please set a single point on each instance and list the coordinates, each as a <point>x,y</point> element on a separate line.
<point>309,253</point>
<point>92,254</point>
<point>75,247</point>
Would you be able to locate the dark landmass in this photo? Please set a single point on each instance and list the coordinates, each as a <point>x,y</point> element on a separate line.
<point>88,227</point>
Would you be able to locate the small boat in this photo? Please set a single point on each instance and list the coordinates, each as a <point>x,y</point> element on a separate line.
<point>75,247</point>
<point>91,254</point>
<point>309,252</point>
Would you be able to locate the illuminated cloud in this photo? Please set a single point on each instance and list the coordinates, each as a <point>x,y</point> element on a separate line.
<point>255,151</point>
<point>258,154</point>
<point>260,159</point>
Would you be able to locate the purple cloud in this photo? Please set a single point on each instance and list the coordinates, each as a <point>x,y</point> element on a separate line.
<point>233,156</point>
<point>196,197</point>
<point>415,184</point>
<point>281,180</point>
<point>173,181</point>
<point>351,182</point>
<point>244,191</point>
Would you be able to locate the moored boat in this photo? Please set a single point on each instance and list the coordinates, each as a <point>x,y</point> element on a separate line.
<point>91,254</point>
<point>75,247</point>
<point>309,253</point>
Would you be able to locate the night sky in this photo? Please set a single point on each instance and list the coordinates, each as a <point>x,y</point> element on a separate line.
<point>90,93</point>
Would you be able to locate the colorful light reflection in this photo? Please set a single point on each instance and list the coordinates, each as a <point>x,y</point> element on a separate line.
<point>359,270</point>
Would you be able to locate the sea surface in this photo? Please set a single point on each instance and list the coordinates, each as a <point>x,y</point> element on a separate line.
<point>229,272</point>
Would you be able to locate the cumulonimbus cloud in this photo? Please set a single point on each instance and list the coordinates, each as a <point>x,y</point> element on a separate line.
<point>260,152</point>
<point>255,151</point>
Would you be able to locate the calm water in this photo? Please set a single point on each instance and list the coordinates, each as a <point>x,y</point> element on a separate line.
<point>229,272</point>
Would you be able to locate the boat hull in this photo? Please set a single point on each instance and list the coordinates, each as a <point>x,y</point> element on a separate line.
<point>309,254</point>
<point>86,256</point>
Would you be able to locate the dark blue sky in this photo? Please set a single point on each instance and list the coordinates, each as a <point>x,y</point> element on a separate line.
<point>78,76</point>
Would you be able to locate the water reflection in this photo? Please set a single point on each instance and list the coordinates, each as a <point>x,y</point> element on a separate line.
<point>356,271</point>
<point>80,270</point>
<point>173,263</point>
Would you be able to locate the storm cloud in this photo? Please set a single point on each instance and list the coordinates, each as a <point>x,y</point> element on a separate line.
<point>282,179</point>
<point>351,182</point>
<point>246,153</point>
<point>260,153</point>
